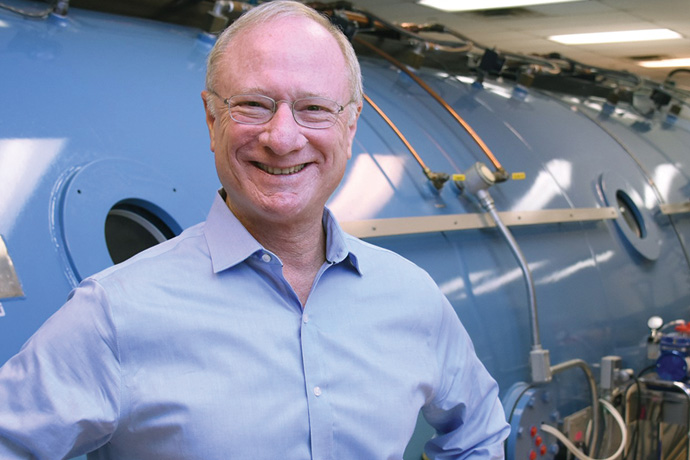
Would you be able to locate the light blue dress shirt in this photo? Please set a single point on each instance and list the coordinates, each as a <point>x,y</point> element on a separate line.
<point>199,349</point>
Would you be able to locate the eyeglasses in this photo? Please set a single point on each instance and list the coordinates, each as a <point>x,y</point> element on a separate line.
<point>256,109</point>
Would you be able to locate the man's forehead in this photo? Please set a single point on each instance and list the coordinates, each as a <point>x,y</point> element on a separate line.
<point>285,27</point>
<point>281,39</point>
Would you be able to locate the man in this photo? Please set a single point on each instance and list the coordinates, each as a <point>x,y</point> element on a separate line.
<point>265,332</point>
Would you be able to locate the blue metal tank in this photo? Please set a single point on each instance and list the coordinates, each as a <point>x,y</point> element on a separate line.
<point>102,130</point>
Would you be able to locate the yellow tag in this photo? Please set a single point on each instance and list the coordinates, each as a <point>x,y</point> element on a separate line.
<point>518,176</point>
<point>458,177</point>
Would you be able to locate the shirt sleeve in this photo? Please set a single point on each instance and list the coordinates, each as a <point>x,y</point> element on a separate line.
<point>465,410</point>
<point>59,396</point>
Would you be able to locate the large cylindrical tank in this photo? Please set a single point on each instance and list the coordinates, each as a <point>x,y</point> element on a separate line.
<point>102,134</point>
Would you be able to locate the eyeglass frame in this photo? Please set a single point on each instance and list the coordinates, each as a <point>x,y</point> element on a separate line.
<point>226,101</point>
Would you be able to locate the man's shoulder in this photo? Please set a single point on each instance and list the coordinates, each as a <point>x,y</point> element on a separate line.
<point>371,250</point>
<point>176,253</point>
<point>379,259</point>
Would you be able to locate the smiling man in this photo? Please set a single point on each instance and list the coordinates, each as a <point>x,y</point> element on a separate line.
<point>265,332</point>
<point>283,138</point>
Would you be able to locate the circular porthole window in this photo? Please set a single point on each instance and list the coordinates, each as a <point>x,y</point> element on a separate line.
<point>630,214</point>
<point>131,228</point>
<point>110,209</point>
<point>634,222</point>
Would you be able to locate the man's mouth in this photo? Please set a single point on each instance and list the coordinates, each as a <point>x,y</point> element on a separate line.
<point>279,171</point>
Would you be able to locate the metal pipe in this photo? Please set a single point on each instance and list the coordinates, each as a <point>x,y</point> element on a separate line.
<point>225,6</point>
<point>42,14</point>
<point>373,23</point>
<point>216,19</point>
<point>487,203</point>
<point>439,99</point>
<point>437,179</point>
<point>477,181</point>
<point>541,370</point>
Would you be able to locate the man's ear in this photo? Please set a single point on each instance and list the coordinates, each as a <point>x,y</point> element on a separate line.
<point>210,116</point>
<point>352,128</point>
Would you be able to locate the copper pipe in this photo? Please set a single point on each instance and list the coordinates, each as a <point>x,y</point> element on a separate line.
<point>427,88</point>
<point>367,22</point>
<point>437,179</point>
<point>362,19</point>
<point>397,131</point>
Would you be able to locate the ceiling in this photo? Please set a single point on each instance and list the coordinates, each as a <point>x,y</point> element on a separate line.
<point>524,30</point>
<point>517,30</point>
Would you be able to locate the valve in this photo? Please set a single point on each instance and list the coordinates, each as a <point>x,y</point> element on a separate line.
<point>660,98</point>
<point>61,8</point>
<point>437,179</point>
<point>612,100</point>
<point>501,175</point>
<point>673,350</point>
<point>525,81</point>
<point>491,63</point>
<point>672,115</point>
<point>654,324</point>
<point>476,178</point>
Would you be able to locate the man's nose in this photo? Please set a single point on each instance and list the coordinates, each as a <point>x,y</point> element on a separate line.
<point>282,134</point>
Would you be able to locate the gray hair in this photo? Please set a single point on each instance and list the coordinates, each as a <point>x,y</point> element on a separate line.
<point>283,9</point>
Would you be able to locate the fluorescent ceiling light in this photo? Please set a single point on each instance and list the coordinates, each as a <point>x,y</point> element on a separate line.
<point>616,37</point>
<point>680,62</point>
<point>471,5</point>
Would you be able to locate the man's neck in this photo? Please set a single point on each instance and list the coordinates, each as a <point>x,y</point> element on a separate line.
<point>302,252</point>
<point>300,245</point>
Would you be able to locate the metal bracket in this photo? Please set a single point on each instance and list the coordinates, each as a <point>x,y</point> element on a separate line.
<point>412,225</point>
<point>9,282</point>
<point>675,208</point>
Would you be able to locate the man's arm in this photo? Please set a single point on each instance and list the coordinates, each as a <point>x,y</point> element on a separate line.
<point>59,396</point>
<point>465,410</point>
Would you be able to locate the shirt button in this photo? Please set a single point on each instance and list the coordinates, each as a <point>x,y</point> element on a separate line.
<point>305,318</point>
<point>266,257</point>
<point>317,391</point>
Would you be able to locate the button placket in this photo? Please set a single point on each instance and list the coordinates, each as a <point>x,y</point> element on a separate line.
<point>320,412</point>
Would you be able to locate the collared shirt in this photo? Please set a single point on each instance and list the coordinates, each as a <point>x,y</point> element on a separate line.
<point>200,349</point>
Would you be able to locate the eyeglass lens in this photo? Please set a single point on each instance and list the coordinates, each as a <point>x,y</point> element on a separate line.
<point>311,112</point>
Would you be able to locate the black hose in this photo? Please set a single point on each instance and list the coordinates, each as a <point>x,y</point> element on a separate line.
<point>29,14</point>
<point>675,71</point>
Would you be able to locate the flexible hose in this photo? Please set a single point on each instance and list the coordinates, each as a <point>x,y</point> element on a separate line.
<point>558,368</point>
<point>487,203</point>
<point>577,452</point>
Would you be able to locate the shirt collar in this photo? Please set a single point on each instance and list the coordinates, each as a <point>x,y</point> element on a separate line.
<point>337,248</point>
<point>229,243</point>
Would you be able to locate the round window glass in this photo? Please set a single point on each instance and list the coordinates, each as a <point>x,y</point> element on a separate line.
<point>630,213</point>
<point>634,221</point>
<point>130,229</point>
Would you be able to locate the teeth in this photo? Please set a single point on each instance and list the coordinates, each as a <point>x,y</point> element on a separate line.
<point>281,171</point>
